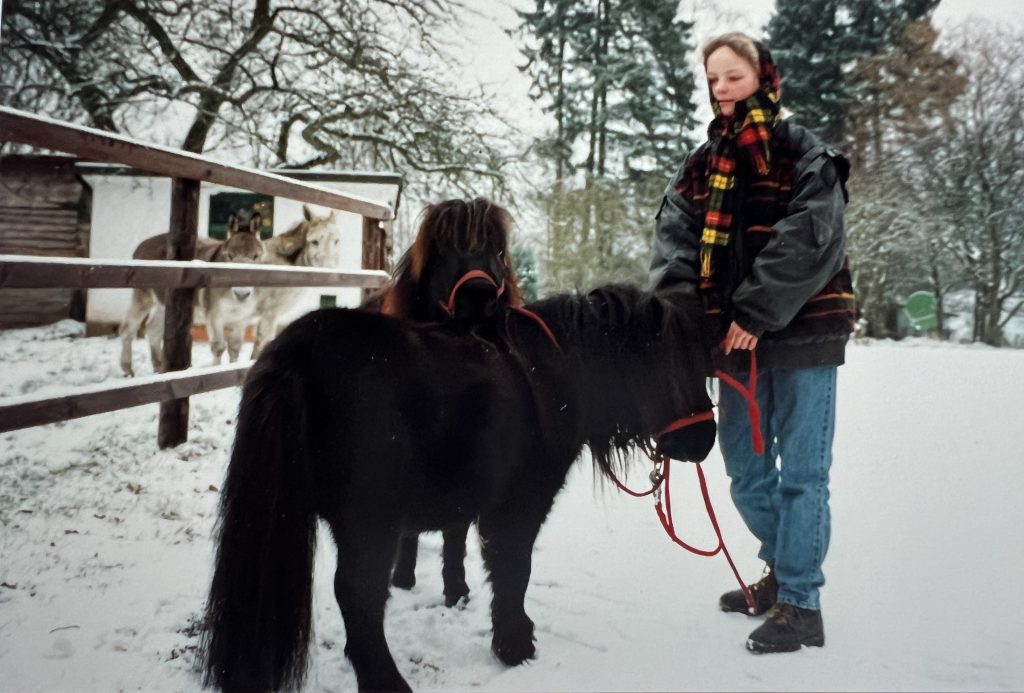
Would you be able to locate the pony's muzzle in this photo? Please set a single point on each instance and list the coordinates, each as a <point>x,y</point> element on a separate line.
<point>690,444</point>
<point>241,293</point>
<point>477,298</point>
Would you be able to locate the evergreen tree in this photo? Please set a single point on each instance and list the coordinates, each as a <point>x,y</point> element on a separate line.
<point>803,35</point>
<point>906,92</point>
<point>614,75</point>
<point>817,44</point>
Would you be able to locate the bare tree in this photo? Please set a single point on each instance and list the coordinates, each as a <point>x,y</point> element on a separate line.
<point>978,172</point>
<point>307,83</point>
<point>939,164</point>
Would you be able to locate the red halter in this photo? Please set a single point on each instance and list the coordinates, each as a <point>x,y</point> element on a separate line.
<point>749,394</point>
<point>449,307</point>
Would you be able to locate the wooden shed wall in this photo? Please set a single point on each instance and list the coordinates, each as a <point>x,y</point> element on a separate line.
<point>44,210</point>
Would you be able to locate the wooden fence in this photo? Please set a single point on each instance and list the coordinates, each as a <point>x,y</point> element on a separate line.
<point>182,273</point>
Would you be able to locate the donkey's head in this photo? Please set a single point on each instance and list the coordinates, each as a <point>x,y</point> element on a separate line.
<point>322,239</point>
<point>312,242</point>
<point>243,244</point>
<point>458,268</point>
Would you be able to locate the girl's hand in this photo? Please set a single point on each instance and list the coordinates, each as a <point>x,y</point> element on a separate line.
<point>738,338</point>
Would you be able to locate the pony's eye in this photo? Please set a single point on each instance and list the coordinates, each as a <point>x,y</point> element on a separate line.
<point>315,242</point>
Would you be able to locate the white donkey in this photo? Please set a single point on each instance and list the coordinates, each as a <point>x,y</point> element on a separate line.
<point>219,307</point>
<point>312,242</point>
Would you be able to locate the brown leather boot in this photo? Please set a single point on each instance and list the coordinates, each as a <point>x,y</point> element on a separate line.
<point>764,592</point>
<point>787,629</point>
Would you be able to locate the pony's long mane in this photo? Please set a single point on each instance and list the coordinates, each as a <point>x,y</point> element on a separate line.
<point>453,226</point>
<point>638,361</point>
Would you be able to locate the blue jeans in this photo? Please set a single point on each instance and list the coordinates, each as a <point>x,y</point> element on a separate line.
<point>784,505</point>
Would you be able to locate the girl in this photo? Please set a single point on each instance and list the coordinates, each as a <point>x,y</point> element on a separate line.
<point>753,223</point>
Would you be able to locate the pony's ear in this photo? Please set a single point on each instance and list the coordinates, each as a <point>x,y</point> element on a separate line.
<point>307,212</point>
<point>255,222</point>
<point>232,225</point>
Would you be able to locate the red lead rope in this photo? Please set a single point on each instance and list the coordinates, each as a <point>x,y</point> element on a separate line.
<point>749,393</point>
<point>666,522</point>
<point>665,516</point>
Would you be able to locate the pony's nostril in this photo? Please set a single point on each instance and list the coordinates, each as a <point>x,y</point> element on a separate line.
<point>242,293</point>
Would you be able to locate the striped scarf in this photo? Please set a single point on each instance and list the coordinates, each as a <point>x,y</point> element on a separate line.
<point>749,131</point>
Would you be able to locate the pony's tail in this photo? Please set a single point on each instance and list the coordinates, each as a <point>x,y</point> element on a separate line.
<point>258,617</point>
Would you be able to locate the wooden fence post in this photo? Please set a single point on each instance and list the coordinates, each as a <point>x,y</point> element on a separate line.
<point>181,242</point>
<point>375,250</point>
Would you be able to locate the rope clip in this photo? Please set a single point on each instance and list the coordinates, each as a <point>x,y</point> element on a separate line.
<point>657,475</point>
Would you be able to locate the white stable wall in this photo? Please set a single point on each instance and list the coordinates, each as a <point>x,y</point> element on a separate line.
<point>128,209</point>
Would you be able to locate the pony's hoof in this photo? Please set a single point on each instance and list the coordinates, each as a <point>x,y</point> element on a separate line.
<point>459,596</point>
<point>456,600</point>
<point>514,646</point>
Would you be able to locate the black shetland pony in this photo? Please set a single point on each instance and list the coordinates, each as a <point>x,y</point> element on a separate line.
<point>382,427</point>
<point>458,272</point>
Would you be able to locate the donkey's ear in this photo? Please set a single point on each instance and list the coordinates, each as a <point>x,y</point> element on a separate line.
<point>255,222</point>
<point>307,212</point>
<point>232,225</point>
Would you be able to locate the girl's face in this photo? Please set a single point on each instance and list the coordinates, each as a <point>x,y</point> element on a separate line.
<point>731,79</point>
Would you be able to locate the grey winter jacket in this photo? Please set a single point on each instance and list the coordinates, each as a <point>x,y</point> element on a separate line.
<point>804,255</point>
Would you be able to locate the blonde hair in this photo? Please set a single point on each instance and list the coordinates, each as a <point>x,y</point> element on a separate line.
<point>741,44</point>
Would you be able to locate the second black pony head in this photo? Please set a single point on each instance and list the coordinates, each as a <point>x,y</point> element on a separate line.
<point>458,268</point>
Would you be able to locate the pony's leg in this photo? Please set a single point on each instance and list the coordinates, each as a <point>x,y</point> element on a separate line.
<point>155,337</point>
<point>507,537</point>
<point>365,554</point>
<point>140,307</point>
<point>404,575</point>
<point>453,567</point>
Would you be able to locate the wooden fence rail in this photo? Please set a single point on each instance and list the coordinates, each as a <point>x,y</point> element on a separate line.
<point>35,272</point>
<point>181,273</point>
<point>98,145</point>
<point>30,410</point>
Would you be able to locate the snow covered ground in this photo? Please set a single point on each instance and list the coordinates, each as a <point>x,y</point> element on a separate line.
<point>105,550</point>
